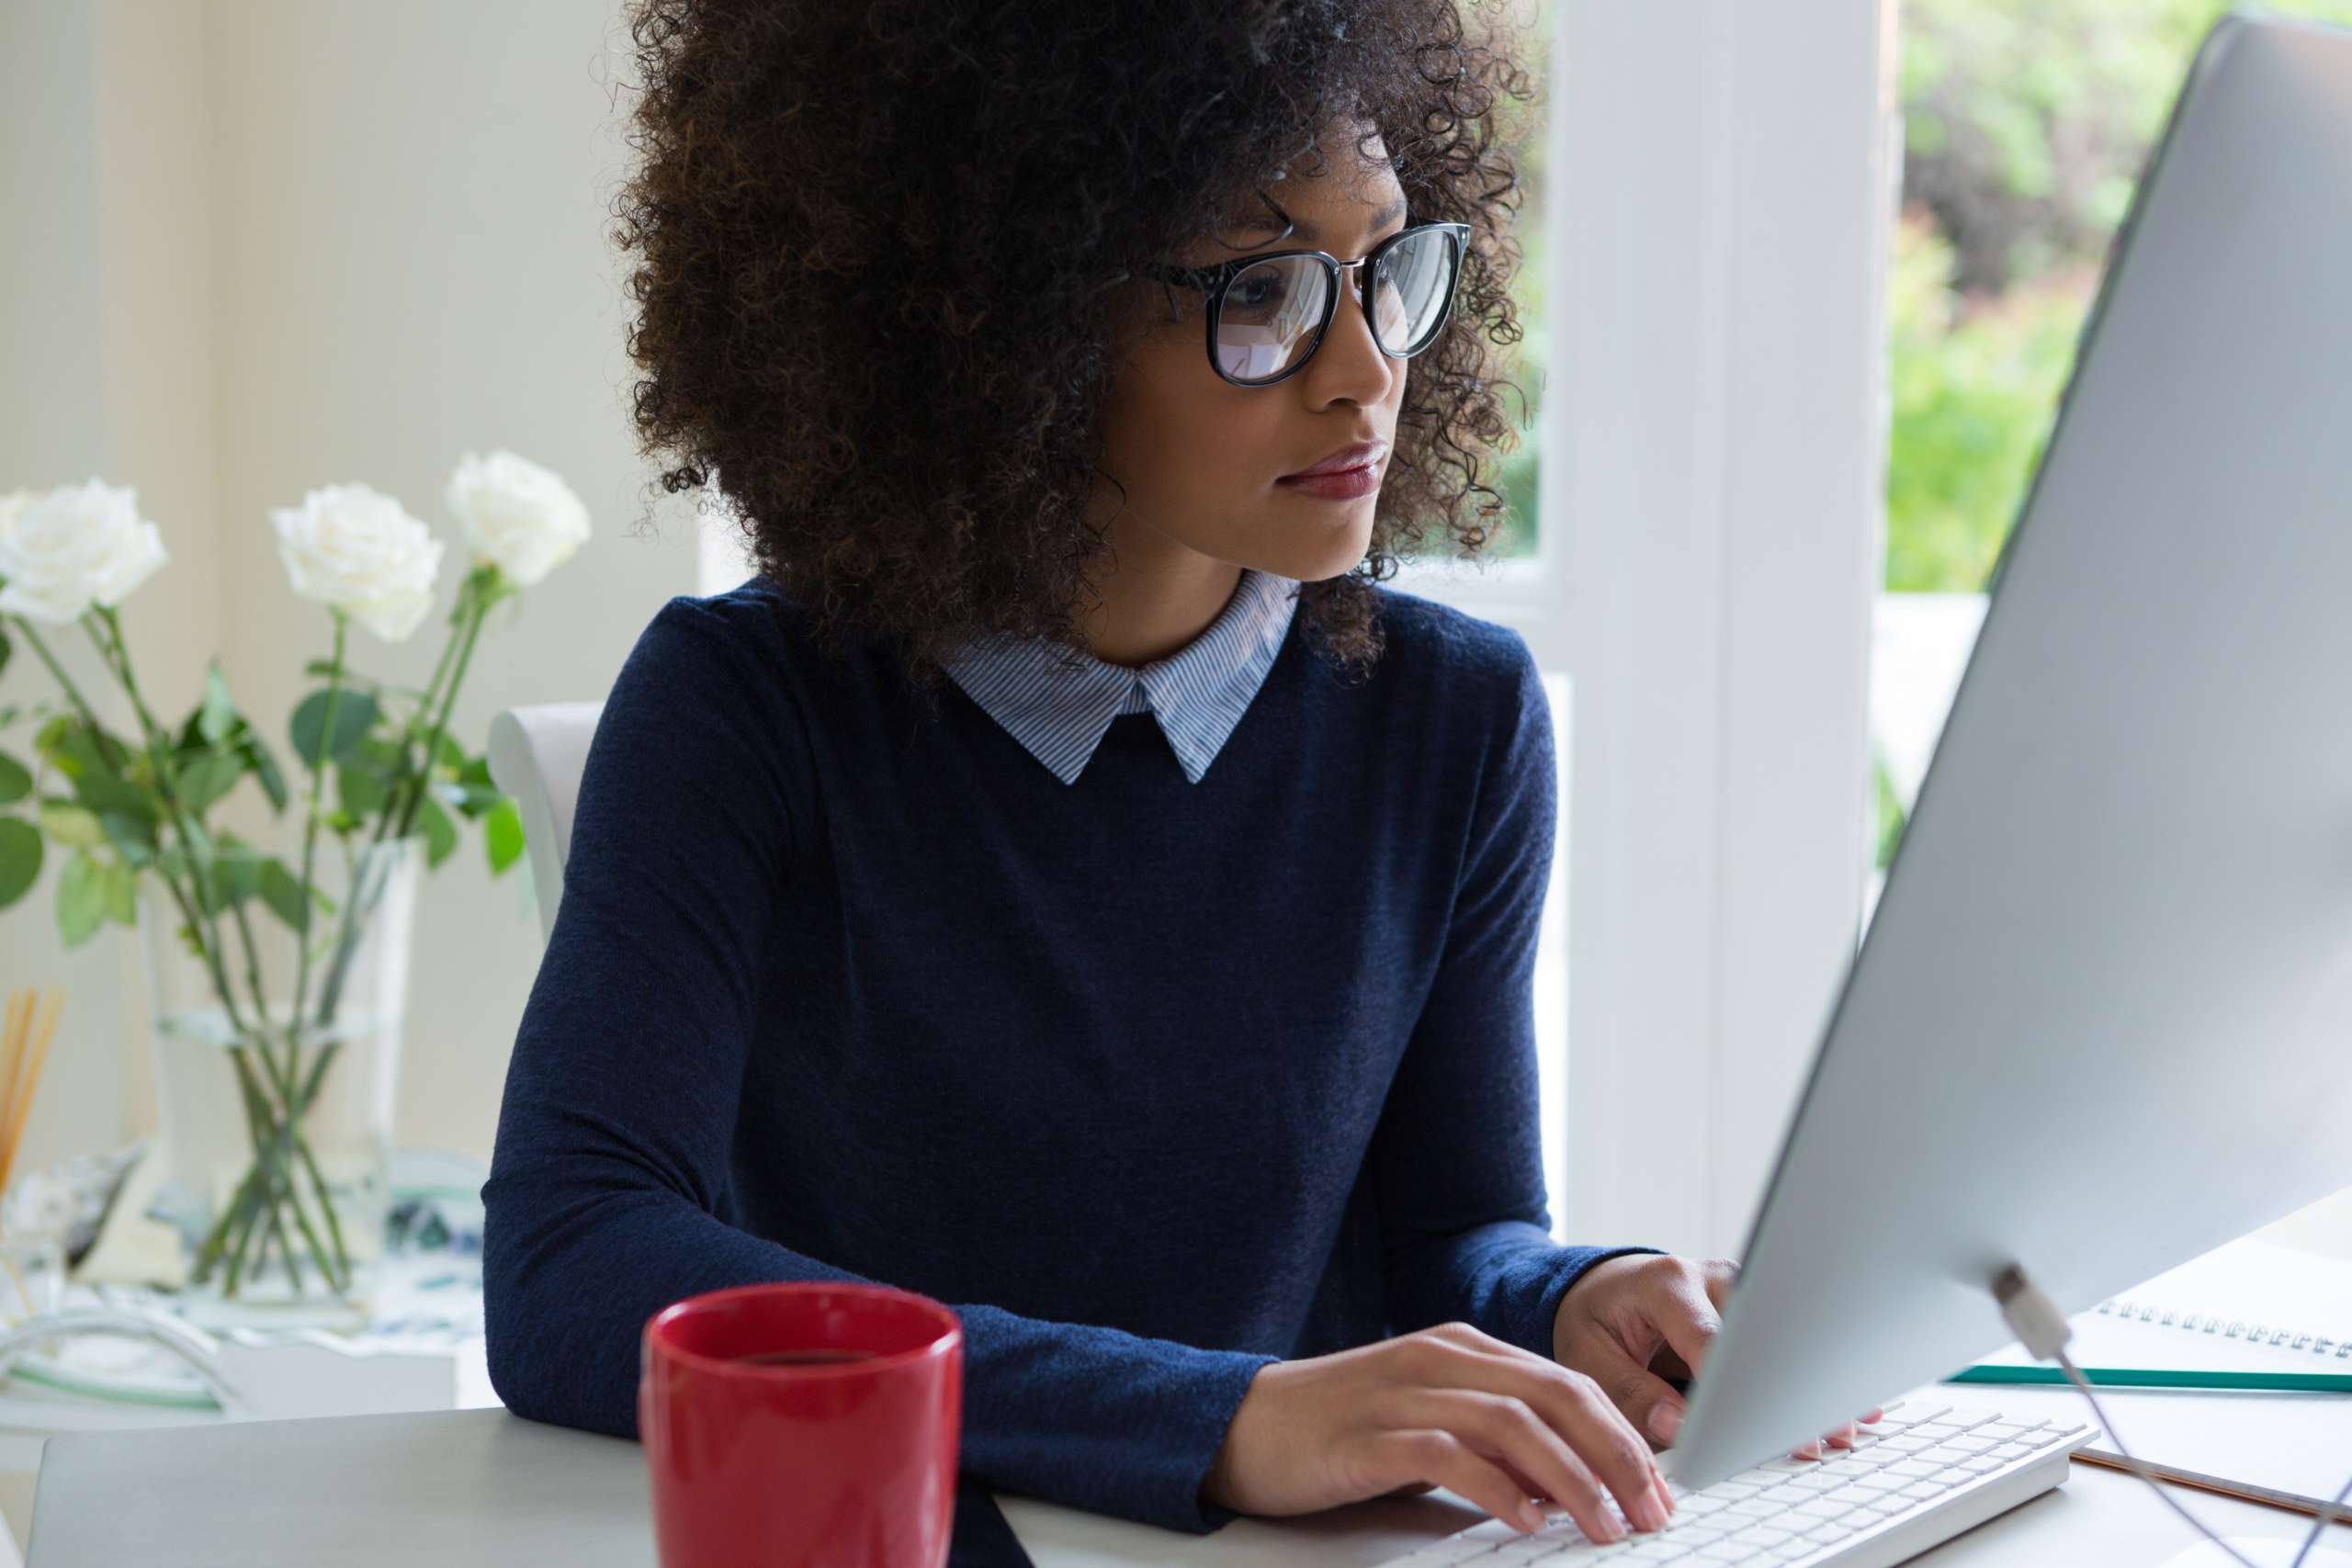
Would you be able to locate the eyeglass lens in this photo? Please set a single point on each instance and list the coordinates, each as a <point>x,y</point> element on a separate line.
<point>1269,321</point>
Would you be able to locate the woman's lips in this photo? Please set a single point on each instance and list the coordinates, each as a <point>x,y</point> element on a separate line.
<point>1347,484</point>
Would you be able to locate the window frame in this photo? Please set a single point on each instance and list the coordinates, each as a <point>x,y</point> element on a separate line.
<point>1709,549</point>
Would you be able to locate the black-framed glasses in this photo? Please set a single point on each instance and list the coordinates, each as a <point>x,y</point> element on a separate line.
<point>1267,315</point>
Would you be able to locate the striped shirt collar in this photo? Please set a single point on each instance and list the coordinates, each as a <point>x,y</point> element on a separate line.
<point>1058,701</point>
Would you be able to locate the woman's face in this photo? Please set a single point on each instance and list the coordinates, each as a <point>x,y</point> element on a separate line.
<point>1200,458</point>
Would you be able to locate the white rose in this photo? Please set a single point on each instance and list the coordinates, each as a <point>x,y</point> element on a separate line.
<point>516,514</point>
<point>355,548</point>
<point>74,547</point>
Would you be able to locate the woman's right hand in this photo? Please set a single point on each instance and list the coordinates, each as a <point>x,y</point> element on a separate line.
<point>1449,1406</point>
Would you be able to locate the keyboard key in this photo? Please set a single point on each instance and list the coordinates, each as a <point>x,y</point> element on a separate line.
<point>1708,1528</point>
<point>1910,1411</point>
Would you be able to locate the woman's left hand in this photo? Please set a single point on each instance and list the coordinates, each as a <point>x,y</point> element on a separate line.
<point>1633,1320</point>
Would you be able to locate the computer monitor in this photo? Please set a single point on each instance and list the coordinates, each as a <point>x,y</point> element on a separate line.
<point>2102,1019</point>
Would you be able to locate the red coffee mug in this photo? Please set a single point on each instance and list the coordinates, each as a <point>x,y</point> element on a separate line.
<point>807,1422</point>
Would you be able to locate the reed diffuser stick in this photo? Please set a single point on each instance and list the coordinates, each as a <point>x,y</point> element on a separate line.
<point>20,1012</point>
<point>19,1072</point>
<point>20,1089</point>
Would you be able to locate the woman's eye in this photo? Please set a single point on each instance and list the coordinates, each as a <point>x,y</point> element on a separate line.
<point>1254,293</point>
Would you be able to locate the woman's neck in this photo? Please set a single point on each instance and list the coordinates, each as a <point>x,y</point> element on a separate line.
<point>1156,602</point>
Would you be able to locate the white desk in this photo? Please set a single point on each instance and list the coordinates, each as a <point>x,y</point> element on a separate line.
<point>487,1489</point>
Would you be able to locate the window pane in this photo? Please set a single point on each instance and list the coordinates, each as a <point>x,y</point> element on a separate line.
<point>2025,126</point>
<point>1520,126</point>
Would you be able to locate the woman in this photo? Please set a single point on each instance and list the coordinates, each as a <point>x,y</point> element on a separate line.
<point>1064,880</point>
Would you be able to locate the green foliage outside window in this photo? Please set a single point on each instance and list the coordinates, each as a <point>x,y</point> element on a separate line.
<point>2027,124</point>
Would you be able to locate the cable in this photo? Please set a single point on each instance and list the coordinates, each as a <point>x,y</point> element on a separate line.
<point>2043,1329</point>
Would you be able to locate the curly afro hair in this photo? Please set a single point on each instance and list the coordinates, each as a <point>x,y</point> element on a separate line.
<point>877,246</point>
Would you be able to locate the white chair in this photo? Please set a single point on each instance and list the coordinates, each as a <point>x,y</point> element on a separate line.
<point>535,755</point>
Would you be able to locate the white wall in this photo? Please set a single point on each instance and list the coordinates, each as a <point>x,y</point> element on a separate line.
<point>263,245</point>
<point>55,426</point>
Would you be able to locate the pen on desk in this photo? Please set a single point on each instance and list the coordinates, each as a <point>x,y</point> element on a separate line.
<point>2150,1377</point>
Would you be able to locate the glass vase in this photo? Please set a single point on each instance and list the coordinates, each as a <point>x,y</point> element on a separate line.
<point>278,1061</point>
<point>33,1263</point>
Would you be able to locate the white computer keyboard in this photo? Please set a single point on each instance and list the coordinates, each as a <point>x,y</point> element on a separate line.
<point>1921,1474</point>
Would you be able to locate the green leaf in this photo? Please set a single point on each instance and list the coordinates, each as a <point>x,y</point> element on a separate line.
<point>452,754</point>
<point>7,647</point>
<point>16,781</point>
<point>75,827</point>
<point>237,874</point>
<point>354,714</point>
<point>121,894</point>
<point>81,899</point>
<point>97,783</point>
<point>198,840</point>
<point>361,790</point>
<point>20,851</point>
<point>474,799</point>
<point>502,834</point>
<point>282,891</point>
<point>264,766</point>
<point>218,717</point>
<point>206,778</point>
<point>132,837</point>
<point>440,833</point>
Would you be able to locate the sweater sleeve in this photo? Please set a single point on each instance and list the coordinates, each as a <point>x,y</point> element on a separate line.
<point>1457,1160</point>
<point>614,1132</point>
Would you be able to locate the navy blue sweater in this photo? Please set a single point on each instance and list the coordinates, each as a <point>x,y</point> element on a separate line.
<point>1152,1081</point>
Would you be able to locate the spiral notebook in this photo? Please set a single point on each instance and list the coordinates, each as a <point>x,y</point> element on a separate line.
<point>2252,1305</point>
